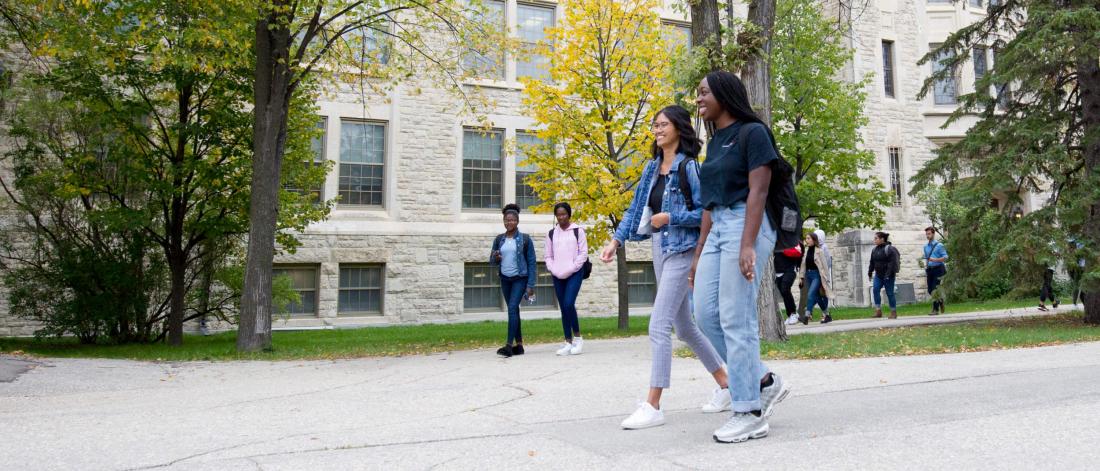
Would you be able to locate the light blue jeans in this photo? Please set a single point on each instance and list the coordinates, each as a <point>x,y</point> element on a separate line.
<point>725,302</point>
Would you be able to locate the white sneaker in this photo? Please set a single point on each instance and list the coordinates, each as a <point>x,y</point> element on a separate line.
<point>646,416</point>
<point>741,427</point>
<point>792,319</point>
<point>565,348</point>
<point>719,401</point>
<point>578,346</point>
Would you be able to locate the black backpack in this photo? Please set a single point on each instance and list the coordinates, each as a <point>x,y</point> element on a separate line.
<point>586,269</point>
<point>685,185</point>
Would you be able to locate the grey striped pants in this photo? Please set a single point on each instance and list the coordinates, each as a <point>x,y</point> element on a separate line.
<point>672,309</point>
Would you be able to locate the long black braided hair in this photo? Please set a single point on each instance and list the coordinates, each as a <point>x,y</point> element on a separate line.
<point>731,94</point>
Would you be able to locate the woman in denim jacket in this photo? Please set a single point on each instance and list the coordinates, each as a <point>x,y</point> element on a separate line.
<point>660,211</point>
<point>514,252</point>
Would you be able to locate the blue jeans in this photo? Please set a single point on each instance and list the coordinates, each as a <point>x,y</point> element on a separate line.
<point>725,302</point>
<point>813,279</point>
<point>513,288</point>
<point>888,283</point>
<point>567,291</point>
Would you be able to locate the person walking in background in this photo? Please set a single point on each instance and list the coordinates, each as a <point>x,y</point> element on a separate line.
<point>566,259</point>
<point>816,275</point>
<point>935,267</point>
<point>514,253</point>
<point>883,271</point>
<point>667,204</point>
<point>787,263</point>
<point>735,234</point>
<point>1047,291</point>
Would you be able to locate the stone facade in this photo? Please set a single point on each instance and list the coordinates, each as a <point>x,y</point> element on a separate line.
<point>423,238</point>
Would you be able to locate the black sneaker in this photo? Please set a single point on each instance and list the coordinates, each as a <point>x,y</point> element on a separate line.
<point>1055,304</point>
<point>505,351</point>
<point>517,350</point>
<point>805,320</point>
<point>827,318</point>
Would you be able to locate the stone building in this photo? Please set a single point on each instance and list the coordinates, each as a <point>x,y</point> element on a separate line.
<point>421,191</point>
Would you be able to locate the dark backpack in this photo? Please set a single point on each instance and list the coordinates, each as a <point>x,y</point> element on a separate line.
<point>586,269</point>
<point>685,185</point>
<point>782,205</point>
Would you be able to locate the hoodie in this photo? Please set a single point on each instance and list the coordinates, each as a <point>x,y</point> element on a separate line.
<point>565,254</point>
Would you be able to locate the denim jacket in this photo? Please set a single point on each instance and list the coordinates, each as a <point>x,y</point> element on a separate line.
<point>682,231</point>
<point>525,254</point>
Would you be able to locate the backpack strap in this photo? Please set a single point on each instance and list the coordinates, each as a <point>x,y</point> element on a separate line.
<point>550,235</point>
<point>685,185</point>
<point>577,237</point>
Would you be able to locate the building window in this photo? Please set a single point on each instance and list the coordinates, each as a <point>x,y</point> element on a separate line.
<point>888,67</point>
<point>946,88</point>
<point>488,64</point>
<point>940,1</point>
<point>481,288</point>
<point>1004,93</point>
<point>676,35</point>
<point>531,24</point>
<point>303,280</point>
<point>895,174</point>
<point>360,290</point>
<point>482,292</point>
<point>317,145</point>
<point>481,169</point>
<point>980,67</point>
<point>976,3</point>
<point>374,43</point>
<point>641,283</point>
<point>525,196</point>
<point>362,156</point>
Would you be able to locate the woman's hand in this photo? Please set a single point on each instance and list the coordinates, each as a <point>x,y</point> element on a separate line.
<point>608,253</point>
<point>530,292</point>
<point>496,256</point>
<point>659,220</point>
<point>748,262</point>
<point>691,272</point>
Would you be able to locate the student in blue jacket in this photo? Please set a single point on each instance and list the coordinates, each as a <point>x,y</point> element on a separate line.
<point>514,253</point>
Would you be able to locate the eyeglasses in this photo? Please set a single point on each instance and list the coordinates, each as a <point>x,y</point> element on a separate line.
<point>659,126</point>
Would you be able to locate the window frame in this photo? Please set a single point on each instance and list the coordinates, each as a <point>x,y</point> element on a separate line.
<point>381,267</point>
<point>340,163</point>
<point>545,74</point>
<point>937,98</point>
<point>521,173</point>
<point>500,136</point>
<point>889,84</point>
<point>647,267</point>
<point>475,71</point>
<point>316,269</point>
<point>893,155</point>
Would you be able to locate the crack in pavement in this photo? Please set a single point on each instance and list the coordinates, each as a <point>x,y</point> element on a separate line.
<point>297,394</point>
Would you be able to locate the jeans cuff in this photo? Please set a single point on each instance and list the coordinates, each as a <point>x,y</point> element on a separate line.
<point>745,406</point>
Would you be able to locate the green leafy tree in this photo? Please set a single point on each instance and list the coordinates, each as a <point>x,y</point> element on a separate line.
<point>375,43</point>
<point>168,89</point>
<point>606,81</point>
<point>1038,131</point>
<point>817,118</point>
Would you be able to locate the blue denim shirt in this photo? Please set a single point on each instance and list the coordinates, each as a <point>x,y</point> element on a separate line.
<point>934,249</point>
<point>682,231</point>
<point>525,256</point>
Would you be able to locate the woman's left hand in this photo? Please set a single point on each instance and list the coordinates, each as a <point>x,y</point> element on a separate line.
<point>748,262</point>
<point>659,220</point>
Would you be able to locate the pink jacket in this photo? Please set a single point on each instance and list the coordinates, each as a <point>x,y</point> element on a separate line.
<point>571,253</point>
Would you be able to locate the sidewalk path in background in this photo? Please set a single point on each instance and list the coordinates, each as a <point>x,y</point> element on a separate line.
<point>815,327</point>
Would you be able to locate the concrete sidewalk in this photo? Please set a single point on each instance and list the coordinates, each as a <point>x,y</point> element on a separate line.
<point>868,323</point>
<point>1011,409</point>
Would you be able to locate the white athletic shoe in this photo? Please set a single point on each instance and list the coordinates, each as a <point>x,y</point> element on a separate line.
<point>565,348</point>
<point>719,401</point>
<point>742,427</point>
<point>646,416</point>
<point>578,346</point>
<point>792,319</point>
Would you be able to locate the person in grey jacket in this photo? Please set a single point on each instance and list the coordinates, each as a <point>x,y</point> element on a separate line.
<point>883,271</point>
<point>514,253</point>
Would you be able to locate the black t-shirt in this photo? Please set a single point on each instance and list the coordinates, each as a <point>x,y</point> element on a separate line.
<point>811,264</point>
<point>656,194</point>
<point>725,173</point>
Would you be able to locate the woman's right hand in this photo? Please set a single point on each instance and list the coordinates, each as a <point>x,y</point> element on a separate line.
<point>691,273</point>
<point>608,253</point>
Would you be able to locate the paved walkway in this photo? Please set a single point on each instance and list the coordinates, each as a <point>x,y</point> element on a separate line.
<point>1012,409</point>
<point>906,321</point>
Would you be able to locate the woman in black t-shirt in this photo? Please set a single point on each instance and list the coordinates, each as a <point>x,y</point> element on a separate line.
<point>734,236</point>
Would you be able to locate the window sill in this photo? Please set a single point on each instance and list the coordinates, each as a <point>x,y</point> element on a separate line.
<point>496,84</point>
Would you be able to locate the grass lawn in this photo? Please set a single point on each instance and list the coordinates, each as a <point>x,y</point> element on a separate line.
<point>399,340</point>
<point>922,340</point>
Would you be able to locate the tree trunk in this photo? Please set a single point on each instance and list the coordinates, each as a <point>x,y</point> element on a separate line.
<point>757,78</point>
<point>177,267</point>
<point>624,288</point>
<point>1088,78</point>
<point>272,92</point>
<point>706,26</point>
